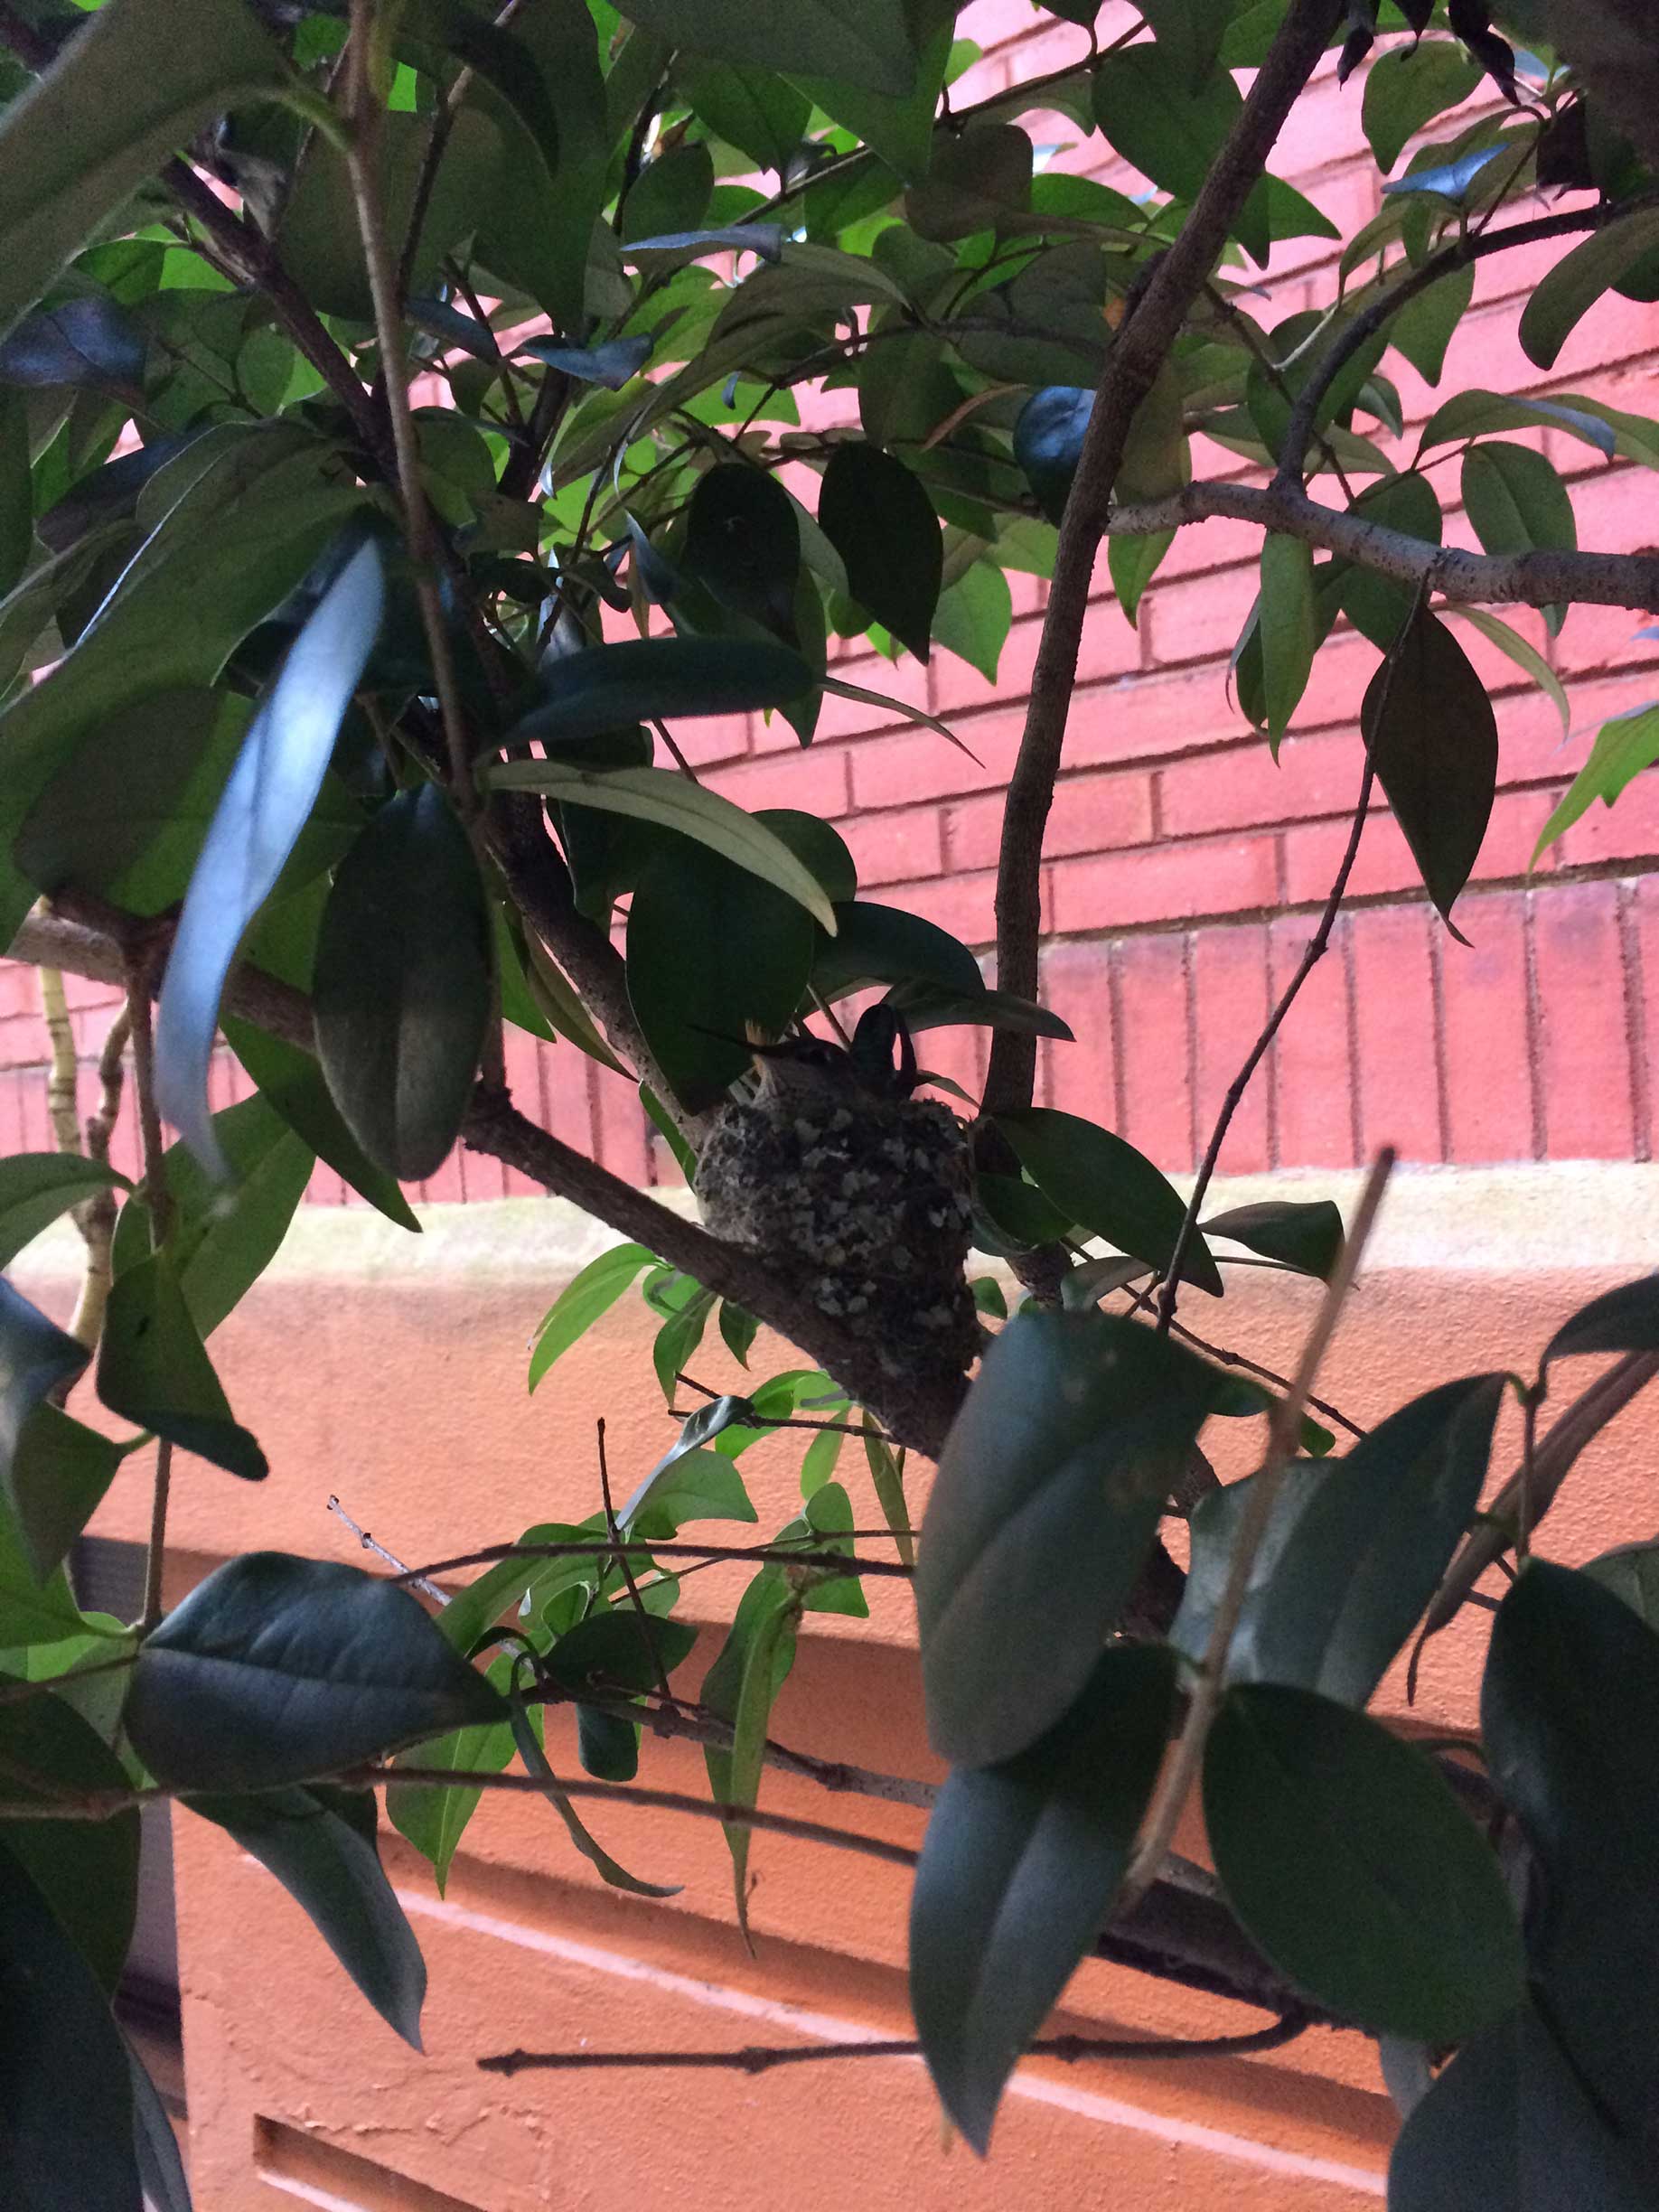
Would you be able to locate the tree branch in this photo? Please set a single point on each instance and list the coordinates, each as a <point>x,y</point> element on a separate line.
<point>649,1548</point>
<point>1138,352</point>
<point>1493,580</point>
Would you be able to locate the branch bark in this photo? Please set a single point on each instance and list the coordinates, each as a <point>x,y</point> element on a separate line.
<point>1138,351</point>
<point>1465,579</point>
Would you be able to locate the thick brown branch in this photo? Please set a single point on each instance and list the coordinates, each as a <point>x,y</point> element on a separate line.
<point>1474,579</point>
<point>1139,352</point>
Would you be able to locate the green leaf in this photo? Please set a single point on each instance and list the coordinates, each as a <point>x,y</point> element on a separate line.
<point>925,1008</point>
<point>320,1844</point>
<point>138,82</point>
<point>220,1239</point>
<point>1408,87</point>
<point>35,1187</point>
<point>36,1357</point>
<point>1350,1865</point>
<point>1049,1489</point>
<point>1433,738</point>
<point>1478,413</point>
<point>1300,344</point>
<point>1569,1706</point>
<point>677,1340</point>
<point>762,115</point>
<point>63,2069</point>
<point>670,194</point>
<point>766,1649</point>
<point>884,945</point>
<point>819,1464</point>
<point>1568,290</point>
<point>161,2170</point>
<point>1018,1874</point>
<point>277,1668</point>
<point>973,617</point>
<point>33,1614</point>
<point>1188,32</point>
<point>686,1484</point>
<point>607,686</point>
<point>618,1648</point>
<point>899,129</point>
<point>1424,327</point>
<point>711,948</point>
<point>271,791</point>
<point>1622,1320</point>
<point>1377,607</point>
<point>887,1476</point>
<point>1631,1572</point>
<point>535,1758</point>
<point>817,847</point>
<point>432,1818</point>
<point>1623,748</point>
<point>1288,625</point>
<point>402,990</point>
<point>979,179</point>
<point>1524,654</point>
<point>1172,131</point>
<point>666,799</point>
<point>1305,1236</point>
<point>292,1082</point>
<point>1133,563</point>
<point>153,1369</point>
<point>862,42</point>
<point>1102,1183</point>
<point>738,1330</point>
<point>1515,501</point>
<point>86,1871</point>
<point>1368,1546</point>
<point>1157,456</point>
<point>16,517</point>
<point>742,543</point>
<point>54,1477</point>
<point>879,517</point>
<point>581,1301</point>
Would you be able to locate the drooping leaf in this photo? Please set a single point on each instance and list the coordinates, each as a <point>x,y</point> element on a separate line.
<point>925,1007</point>
<point>1525,656</point>
<point>63,2072</point>
<point>884,945</point>
<point>879,517</point>
<point>527,1743</point>
<point>1102,1182</point>
<point>973,617</point>
<point>1133,563</point>
<point>1378,606</point>
<point>1433,738</point>
<point>432,1817</point>
<point>1352,1867</point>
<point>271,791</point>
<point>670,194</point>
<point>292,1081</point>
<point>320,1844</point>
<point>153,1369</point>
<point>1424,327</point>
<point>1516,501</point>
<point>1624,747</point>
<point>221,1240</point>
<point>53,1477</point>
<point>1306,1234</point>
<point>35,1187</point>
<point>583,1298</point>
<point>277,1668</point>
<point>1569,1699</point>
<point>1473,413</point>
<point>1631,1572</point>
<point>1049,1488</point>
<point>1451,180</point>
<point>1289,627</point>
<point>402,989</point>
<point>137,83</point>
<point>1559,303</point>
<point>1018,1874</point>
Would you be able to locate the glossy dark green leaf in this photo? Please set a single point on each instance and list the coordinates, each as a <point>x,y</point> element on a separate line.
<point>1102,1182</point>
<point>1049,1489</point>
<point>292,1082</point>
<point>1214,1523</point>
<point>1018,1873</point>
<point>54,1477</point>
<point>271,791</point>
<point>87,1870</point>
<point>221,1240</point>
<point>277,1668</point>
<point>979,179</point>
<point>1172,130</point>
<point>153,1369</point>
<point>879,516</point>
<point>35,1357</point>
<point>647,679</point>
<point>527,1742</point>
<point>1433,738</point>
<point>819,848</point>
<point>1569,1706</point>
<point>35,1187</point>
<point>614,363</point>
<point>1377,607</point>
<point>1352,1867</point>
<point>1408,86</point>
<point>863,42</point>
<point>1559,303</point>
<point>711,948</point>
<point>1622,1320</point>
<point>1369,1547</point>
<point>607,1745</point>
<point>884,945</point>
<point>742,542</point>
<point>402,988</point>
<point>320,1845</point>
<point>1048,440</point>
<point>143,80</point>
<point>1305,1234</point>
<point>64,2083</point>
<point>1188,32</point>
<point>619,1650</point>
<point>85,341</point>
<point>1631,1572</point>
<point>925,1006</point>
<point>1507,2125</point>
<point>670,193</point>
<point>761,114</point>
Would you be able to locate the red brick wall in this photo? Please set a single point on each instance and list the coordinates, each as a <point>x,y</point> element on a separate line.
<point>1185,867</point>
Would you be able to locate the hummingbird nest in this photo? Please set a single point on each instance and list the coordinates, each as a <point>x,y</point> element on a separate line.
<point>865,1201</point>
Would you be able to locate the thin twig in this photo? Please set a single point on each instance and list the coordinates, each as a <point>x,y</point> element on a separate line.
<point>140,982</point>
<point>364,115</point>
<point>757,2058</point>
<point>417,1581</point>
<point>617,1548</point>
<point>97,1217</point>
<point>1181,1770</point>
<point>1313,952</point>
<point>620,1552</point>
